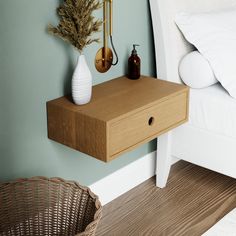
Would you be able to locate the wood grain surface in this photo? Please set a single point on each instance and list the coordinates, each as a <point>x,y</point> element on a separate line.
<point>136,128</point>
<point>120,97</point>
<point>193,201</point>
<point>117,118</point>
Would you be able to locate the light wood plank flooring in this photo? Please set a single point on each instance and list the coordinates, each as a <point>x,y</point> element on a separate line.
<point>193,201</point>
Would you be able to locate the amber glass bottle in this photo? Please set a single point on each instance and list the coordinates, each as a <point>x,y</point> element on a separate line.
<point>134,63</point>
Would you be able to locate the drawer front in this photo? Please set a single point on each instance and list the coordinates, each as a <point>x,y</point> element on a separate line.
<point>147,123</point>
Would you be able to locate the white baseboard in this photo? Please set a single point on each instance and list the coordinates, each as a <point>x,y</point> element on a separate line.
<point>126,178</point>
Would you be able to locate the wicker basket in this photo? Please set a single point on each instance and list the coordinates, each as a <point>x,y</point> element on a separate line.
<point>42,206</point>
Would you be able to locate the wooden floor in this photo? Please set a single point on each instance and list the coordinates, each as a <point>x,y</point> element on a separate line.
<point>194,200</point>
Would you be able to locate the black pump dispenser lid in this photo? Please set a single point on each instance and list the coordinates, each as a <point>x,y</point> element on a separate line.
<point>134,52</point>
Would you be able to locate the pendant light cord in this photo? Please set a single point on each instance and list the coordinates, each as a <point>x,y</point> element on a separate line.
<point>113,47</point>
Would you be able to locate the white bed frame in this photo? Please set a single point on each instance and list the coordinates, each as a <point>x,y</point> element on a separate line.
<point>188,143</point>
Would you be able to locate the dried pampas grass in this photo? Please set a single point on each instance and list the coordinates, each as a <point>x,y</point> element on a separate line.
<point>77,24</point>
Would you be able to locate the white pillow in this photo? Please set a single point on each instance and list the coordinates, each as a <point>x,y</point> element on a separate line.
<point>214,35</point>
<point>195,71</point>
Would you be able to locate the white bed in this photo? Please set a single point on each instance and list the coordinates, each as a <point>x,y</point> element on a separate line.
<point>213,110</point>
<point>209,138</point>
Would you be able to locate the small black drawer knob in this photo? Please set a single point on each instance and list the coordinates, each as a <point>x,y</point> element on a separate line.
<point>151,121</point>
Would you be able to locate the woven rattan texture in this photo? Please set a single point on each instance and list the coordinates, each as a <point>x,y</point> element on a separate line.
<point>42,206</point>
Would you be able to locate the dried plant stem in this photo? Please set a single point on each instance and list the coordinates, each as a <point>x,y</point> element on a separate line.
<point>77,24</point>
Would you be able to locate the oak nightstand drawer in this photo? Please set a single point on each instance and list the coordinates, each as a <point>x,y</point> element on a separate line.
<point>147,124</point>
<point>122,115</point>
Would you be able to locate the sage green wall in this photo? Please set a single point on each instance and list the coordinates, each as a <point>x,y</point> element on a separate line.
<point>36,67</point>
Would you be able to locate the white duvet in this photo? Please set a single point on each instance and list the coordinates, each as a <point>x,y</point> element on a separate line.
<point>214,110</point>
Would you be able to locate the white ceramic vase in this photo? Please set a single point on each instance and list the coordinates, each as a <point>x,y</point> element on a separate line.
<point>81,82</point>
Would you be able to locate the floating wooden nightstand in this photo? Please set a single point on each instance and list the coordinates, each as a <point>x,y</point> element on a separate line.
<point>122,115</point>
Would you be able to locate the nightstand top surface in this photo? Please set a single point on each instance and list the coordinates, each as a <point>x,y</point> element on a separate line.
<point>118,97</point>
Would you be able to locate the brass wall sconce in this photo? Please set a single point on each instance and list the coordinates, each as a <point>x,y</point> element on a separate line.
<point>104,56</point>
